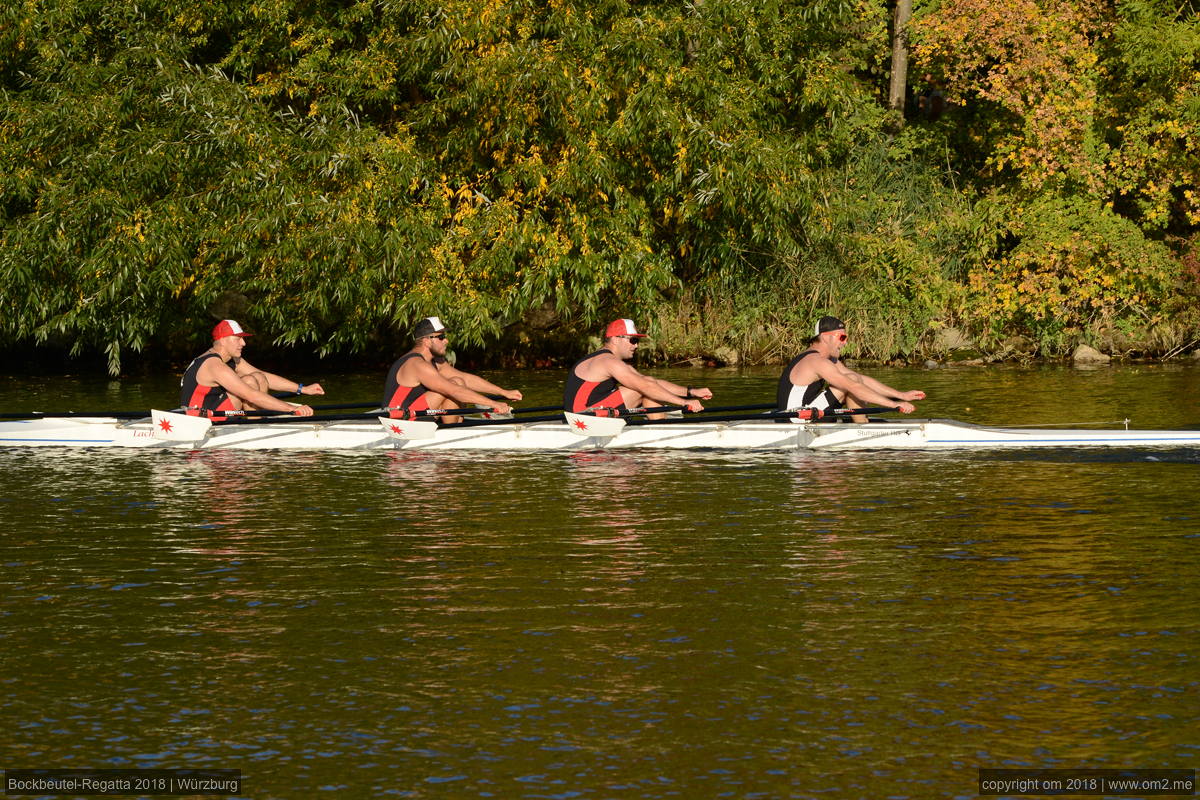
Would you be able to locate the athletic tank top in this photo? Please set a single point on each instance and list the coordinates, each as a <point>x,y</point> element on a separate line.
<point>807,395</point>
<point>396,398</point>
<point>580,395</point>
<point>201,401</point>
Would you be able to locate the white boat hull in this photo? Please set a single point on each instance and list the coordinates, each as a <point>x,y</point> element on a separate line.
<point>369,435</point>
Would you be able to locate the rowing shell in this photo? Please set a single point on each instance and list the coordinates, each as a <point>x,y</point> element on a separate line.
<point>383,434</point>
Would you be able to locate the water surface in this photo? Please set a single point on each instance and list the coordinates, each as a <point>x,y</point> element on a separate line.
<point>597,625</point>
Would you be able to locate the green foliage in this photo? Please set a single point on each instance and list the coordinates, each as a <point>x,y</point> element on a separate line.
<point>1152,115</point>
<point>1075,269</point>
<point>887,249</point>
<point>348,167</point>
<point>352,166</point>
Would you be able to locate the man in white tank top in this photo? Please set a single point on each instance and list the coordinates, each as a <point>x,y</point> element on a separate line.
<point>817,378</point>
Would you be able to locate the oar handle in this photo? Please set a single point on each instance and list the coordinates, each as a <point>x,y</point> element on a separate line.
<point>284,418</point>
<point>462,412</point>
<point>651,410</point>
<point>685,410</point>
<point>441,412</point>
<point>726,409</point>
<point>854,412</point>
<point>802,413</point>
<point>536,409</point>
<point>341,406</point>
<point>809,414</point>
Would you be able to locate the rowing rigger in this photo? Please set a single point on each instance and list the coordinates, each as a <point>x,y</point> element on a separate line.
<point>167,430</point>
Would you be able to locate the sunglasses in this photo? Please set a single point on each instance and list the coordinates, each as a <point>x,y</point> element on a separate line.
<point>841,337</point>
<point>634,339</point>
<point>437,336</point>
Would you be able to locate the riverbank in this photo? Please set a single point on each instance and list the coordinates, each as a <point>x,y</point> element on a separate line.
<point>51,362</point>
<point>773,326</point>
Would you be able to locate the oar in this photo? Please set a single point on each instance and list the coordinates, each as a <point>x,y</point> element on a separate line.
<point>377,407</point>
<point>809,414</point>
<point>536,409</point>
<point>803,413</point>
<point>340,406</point>
<point>462,412</point>
<point>238,416</point>
<point>714,410</point>
<point>854,412</point>
<point>129,414</point>
<point>629,412</point>
<point>285,417</point>
<point>694,418</point>
<point>727,409</point>
<point>69,414</point>
<point>146,413</point>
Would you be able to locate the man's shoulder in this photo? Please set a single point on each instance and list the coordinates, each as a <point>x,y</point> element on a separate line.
<point>212,361</point>
<point>603,358</point>
<point>812,359</point>
<point>602,361</point>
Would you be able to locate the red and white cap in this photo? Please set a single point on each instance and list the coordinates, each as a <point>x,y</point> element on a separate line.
<point>622,327</point>
<point>228,327</point>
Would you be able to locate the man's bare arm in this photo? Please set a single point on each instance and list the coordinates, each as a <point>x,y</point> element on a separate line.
<point>432,379</point>
<point>478,384</point>
<point>652,388</point>
<point>229,380</point>
<point>851,382</point>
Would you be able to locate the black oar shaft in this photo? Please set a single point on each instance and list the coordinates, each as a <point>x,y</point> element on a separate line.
<point>836,414</point>
<point>283,418</point>
<point>70,414</point>
<point>854,412</point>
<point>376,407</point>
<point>343,406</point>
<point>719,418</point>
<point>713,410</point>
<point>461,412</point>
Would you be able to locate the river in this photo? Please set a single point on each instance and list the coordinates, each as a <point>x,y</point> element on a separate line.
<point>611,625</point>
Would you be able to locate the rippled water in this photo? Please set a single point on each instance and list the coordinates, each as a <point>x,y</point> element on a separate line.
<point>599,625</point>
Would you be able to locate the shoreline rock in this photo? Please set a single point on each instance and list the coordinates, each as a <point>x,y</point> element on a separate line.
<point>1085,354</point>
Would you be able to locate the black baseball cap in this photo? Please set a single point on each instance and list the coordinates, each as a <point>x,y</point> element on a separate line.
<point>827,324</point>
<point>428,327</point>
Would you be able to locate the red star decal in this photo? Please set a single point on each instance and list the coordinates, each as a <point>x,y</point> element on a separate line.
<point>165,424</point>
<point>581,425</point>
<point>396,429</point>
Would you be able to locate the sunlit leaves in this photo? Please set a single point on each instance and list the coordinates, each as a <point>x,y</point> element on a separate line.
<point>348,167</point>
<point>351,166</point>
<point>1077,268</point>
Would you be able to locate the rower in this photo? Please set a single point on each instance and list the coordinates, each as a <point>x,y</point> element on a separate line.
<point>422,379</point>
<point>818,378</point>
<point>219,379</point>
<point>606,382</point>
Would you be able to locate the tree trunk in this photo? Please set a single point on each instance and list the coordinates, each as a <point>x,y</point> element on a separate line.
<point>899,83</point>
